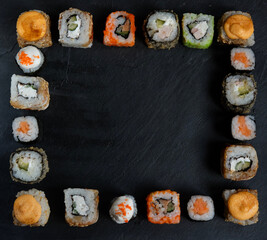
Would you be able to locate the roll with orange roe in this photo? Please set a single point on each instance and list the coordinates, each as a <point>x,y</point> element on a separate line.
<point>242,59</point>
<point>200,208</point>
<point>31,208</point>
<point>33,28</point>
<point>236,27</point>
<point>120,29</point>
<point>163,207</point>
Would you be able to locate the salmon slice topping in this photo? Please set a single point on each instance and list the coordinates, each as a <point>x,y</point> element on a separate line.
<point>200,206</point>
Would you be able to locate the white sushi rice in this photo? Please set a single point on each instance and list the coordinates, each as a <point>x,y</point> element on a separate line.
<point>33,132</point>
<point>36,56</point>
<point>167,32</point>
<point>204,217</point>
<point>233,83</point>
<point>240,65</point>
<point>90,197</point>
<point>34,172</point>
<point>40,197</point>
<point>251,125</point>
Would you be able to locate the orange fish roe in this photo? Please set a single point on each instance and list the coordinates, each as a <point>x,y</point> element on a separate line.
<point>24,127</point>
<point>111,39</point>
<point>36,56</point>
<point>153,214</point>
<point>242,57</point>
<point>200,207</point>
<point>243,128</point>
<point>25,59</point>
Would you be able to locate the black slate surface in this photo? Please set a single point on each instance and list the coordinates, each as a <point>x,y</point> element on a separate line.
<point>132,120</point>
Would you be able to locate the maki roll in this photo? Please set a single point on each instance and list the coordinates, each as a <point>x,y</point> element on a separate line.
<point>242,59</point>
<point>243,127</point>
<point>123,209</point>
<point>163,207</point>
<point>198,30</point>
<point>120,30</point>
<point>30,93</point>
<point>241,206</point>
<point>239,92</point>
<point>25,129</point>
<point>28,165</point>
<point>31,208</point>
<point>81,206</point>
<point>33,28</point>
<point>239,162</point>
<point>236,27</point>
<point>200,208</point>
<point>75,28</point>
<point>30,59</point>
<point>161,29</point>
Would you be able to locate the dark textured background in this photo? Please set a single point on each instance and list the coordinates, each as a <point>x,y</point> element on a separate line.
<point>132,121</point>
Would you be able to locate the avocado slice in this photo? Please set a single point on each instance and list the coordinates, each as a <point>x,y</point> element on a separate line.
<point>23,165</point>
<point>170,207</point>
<point>160,23</point>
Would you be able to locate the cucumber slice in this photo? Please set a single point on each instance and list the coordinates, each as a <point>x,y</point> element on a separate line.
<point>242,166</point>
<point>23,165</point>
<point>72,26</point>
<point>123,34</point>
<point>170,207</point>
<point>72,19</point>
<point>244,90</point>
<point>192,25</point>
<point>160,23</point>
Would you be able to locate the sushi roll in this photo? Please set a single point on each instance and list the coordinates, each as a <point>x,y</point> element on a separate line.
<point>242,59</point>
<point>243,127</point>
<point>163,207</point>
<point>30,93</point>
<point>236,27</point>
<point>239,92</point>
<point>31,208</point>
<point>28,165</point>
<point>123,209</point>
<point>198,30</point>
<point>30,59</point>
<point>120,30</point>
<point>161,29</point>
<point>239,162</point>
<point>33,28</point>
<point>241,206</point>
<point>200,208</point>
<point>75,28</point>
<point>25,129</point>
<point>81,206</point>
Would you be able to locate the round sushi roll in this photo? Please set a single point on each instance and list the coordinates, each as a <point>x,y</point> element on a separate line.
<point>120,29</point>
<point>31,208</point>
<point>236,27</point>
<point>161,29</point>
<point>28,165</point>
<point>239,162</point>
<point>242,59</point>
<point>198,30</point>
<point>25,129</point>
<point>200,208</point>
<point>239,92</point>
<point>30,59</point>
<point>123,209</point>
<point>33,28</point>
<point>243,127</point>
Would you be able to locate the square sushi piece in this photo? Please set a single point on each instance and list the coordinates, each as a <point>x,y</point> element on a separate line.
<point>81,206</point>
<point>161,29</point>
<point>239,162</point>
<point>242,59</point>
<point>236,28</point>
<point>31,208</point>
<point>200,208</point>
<point>163,207</point>
<point>75,28</point>
<point>198,30</point>
<point>33,28</point>
<point>243,127</point>
<point>31,93</point>
<point>241,206</point>
<point>239,92</point>
<point>120,29</point>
